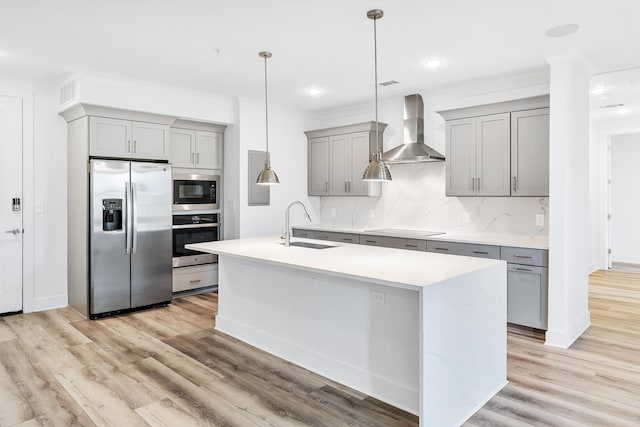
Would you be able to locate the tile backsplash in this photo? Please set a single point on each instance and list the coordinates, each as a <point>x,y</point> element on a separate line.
<point>415,199</point>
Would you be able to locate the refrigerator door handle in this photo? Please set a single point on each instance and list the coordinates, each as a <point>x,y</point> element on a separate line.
<point>127,219</point>
<point>134,215</point>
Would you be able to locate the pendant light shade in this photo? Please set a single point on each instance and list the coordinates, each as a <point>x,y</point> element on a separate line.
<point>268,175</point>
<point>376,170</point>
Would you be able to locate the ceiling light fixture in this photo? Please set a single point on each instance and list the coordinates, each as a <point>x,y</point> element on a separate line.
<point>268,175</point>
<point>562,30</point>
<point>433,63</point>
<point>314,91</point>
<point>376,170</point>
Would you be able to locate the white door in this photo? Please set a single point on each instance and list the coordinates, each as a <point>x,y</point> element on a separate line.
<point>10,219</point>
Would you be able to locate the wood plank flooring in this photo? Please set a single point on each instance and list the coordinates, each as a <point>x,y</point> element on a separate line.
<point>168,367</point>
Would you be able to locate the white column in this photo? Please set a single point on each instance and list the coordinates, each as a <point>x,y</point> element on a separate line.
<point>569,237</point>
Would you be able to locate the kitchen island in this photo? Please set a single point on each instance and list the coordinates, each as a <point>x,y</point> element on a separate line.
<point>422,331</point>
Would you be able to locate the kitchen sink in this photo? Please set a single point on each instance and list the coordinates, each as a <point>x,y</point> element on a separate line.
<point>311,245</point>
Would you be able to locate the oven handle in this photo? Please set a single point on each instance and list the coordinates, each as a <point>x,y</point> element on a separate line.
<point>207,225</point>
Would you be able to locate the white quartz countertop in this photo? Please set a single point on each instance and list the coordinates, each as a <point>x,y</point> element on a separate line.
<point>516,240</point>
<point>391,267</point>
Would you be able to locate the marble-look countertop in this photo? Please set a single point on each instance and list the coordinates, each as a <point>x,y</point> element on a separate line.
<point>385,266</point>
<point>520,241</point>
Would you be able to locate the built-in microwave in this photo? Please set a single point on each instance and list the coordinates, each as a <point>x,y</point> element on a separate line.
<point>195,192</point>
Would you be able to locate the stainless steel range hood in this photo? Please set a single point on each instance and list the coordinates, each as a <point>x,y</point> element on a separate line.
<point>414,150</point>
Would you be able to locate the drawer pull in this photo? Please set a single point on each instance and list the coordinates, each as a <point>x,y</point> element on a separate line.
<point>411,246</point>
<point>523,269</point>
<point>481,252</point>
<point>523,256</point>
<point>441,249</point>
<point>195,281</point>
<point>370,241</point>
<point>347,239</point>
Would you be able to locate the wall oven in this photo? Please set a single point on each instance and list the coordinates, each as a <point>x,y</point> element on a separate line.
<point>195,192</point>
<point>194,228</point>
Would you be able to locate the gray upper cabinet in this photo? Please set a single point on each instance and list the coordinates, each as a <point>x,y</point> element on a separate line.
<point>478,156</point>
<point>318,166</point>
<point>196,149</point>
<point>337,158</point>
<point>498,149</point>
<point>128,139</point>
<point>530,152</point>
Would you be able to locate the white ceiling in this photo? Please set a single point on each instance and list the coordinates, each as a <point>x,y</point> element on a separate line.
<point>213,45</point>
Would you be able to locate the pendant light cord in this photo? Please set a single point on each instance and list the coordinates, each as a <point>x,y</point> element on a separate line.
<point>266,106</point>
<point>375,61</point>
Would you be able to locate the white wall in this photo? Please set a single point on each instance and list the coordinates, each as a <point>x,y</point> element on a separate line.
<point>288,148</point>
<point>416,196</point>
<point>569,192</point>
<point>44,182</point>
<point>625,198</point>
<point>602,131</point>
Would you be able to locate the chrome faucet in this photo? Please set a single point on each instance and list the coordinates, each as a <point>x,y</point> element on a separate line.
<point>287,231</point>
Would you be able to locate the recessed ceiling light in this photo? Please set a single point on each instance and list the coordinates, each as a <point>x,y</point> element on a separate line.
<point>623,111</point>
<point>314,91</point>
<point>433,63</point>
<point>562,30</point>
<point>599,90</point>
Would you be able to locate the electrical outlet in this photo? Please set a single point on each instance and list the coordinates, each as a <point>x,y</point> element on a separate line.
<point>540,220</point>
<point>372,213</point>
<point>40,207</point>
<point>377,297</point>
<point>333,213</point>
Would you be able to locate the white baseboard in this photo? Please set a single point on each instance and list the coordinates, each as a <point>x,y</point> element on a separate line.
<point>564,338</point>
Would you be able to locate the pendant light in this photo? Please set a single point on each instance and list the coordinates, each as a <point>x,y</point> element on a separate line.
<point>376,170</point>
<point>268,175</point>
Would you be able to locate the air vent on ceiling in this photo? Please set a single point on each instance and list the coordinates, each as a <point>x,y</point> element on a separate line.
<point>69,92</point>
<point>612,106</point>
<point>389,83</point>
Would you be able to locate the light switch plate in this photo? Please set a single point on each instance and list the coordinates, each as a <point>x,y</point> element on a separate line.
<point>540,220</point>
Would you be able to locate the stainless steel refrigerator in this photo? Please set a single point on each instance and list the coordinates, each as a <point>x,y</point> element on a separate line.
<point>130,235</point>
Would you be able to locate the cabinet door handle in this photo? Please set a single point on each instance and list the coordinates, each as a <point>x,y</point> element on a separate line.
<point>411,246</point>
<point>523,269</point>
<point>347,239</point>
<point>523,256</point>
<point>441,249</point>
<point>349,186</point>
<point>193,157</point>
<point>514,183</point>
<point>135,146</point>
<point>370,241</point>
<point>478,184</point>
<point>198,159</point>
<point>128,145</point>
<point>326,187</point>
<point>195,281</point>
<point>473,184</point>
<point>481,252</point>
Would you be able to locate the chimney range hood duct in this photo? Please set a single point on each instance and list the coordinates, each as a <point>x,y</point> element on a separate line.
<point>414,150</point>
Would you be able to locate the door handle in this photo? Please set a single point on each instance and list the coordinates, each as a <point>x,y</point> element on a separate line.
<point>135,144</point>
<point>514,183</point>
<point>134,215</point>
<point>127,228</point>
<point>15,231</point>
<point>198,159</point>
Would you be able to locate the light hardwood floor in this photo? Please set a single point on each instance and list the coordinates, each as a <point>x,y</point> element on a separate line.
<point>167,367</point>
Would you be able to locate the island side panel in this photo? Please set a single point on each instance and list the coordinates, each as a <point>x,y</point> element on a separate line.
<point>337,327</point>
<point>464,341</point>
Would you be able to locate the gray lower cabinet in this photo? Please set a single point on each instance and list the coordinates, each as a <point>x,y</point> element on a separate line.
<point>464,249</point>
<point>527,295</point>
<point>527,286</point>
<point>394,242</point>
<point>307,234</point>
<point>333,236</point>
